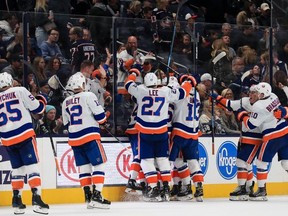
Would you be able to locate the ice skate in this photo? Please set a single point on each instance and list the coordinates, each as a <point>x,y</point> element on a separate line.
<point>259,195</point>
<point>165,192</point>
<point>199,192</point>
<point>250,189</point>
<point>185,193</point>
<point>133,187</point>
<point>152,195</point>
<point>18,206</point>
<point>174,191</point>
<point>38,205</point>
<point>97,201</point>
<point>88,195</point>
<point>239,194</point>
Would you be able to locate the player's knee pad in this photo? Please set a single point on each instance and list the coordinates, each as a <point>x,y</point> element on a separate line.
<point>148,165</point>
<point>261,165</point>
<point>163,163</point>
<point>99,167</point>
<point>241,164</point>
<point>193,165</point>
<point>86,168</point>
<point>284,164</point>
<point>179,163</point>
<point>32,168</point>
<point>19,171</point>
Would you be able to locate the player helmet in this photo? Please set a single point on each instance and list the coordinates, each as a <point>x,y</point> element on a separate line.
<point>150,79</point>
<point>173,82</point>
<point>76,81</point>
<point>5,80</point>
<point>264,88</point>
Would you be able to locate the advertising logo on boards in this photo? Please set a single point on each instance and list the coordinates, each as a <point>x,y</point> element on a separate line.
<point>226,160</point>
<point>203,158</point>
<point>124,161</point>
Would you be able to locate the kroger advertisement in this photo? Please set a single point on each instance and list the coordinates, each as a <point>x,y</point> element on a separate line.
<point>219,168</point>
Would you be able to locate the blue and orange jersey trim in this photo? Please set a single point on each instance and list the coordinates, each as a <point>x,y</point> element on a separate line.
<point>84,136</point>
<point>18,135</point>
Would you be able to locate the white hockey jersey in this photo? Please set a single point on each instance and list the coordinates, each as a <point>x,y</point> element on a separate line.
<point>83,114</point>
<point>185,120</point>
<point>16,103</point>
<point>152,113</point>
<point>249,135</point>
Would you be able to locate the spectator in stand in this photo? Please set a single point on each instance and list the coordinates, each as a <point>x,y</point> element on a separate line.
<point>226,40</point>
<point>247,37</point>
<point>39,69</point>
<point>223,68</point>
<point>42,18</point>
<point>228,120</point>
<point>10,24</point>
<point>101,18</point>
<point>205,119</point>
<point>53,66</point>
<point>264,18</point>
<point>49,124</point>
<point>3,47</point>
<point>251,77</point>
<point>280,65</point>
<point>134,9</point>
<point>45,90</point>
<point>165,26</point>
<point>234,78</point>
<point>189,27</point>
<point>264,42</point>
<point>50,48</point>
<point>249,57</point>
<point>280,86</point>
<point>248,14</point>
<point>81,49</point>
<point>15,67</point>
<point>283,51</point>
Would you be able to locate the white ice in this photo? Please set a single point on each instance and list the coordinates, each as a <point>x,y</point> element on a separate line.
<point>210,207</point>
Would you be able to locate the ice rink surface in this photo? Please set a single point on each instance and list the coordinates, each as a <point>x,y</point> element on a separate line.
<point>210,207</point>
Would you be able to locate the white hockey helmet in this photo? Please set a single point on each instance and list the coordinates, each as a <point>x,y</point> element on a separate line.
<point>264,88</point>
<point>6,80</point>
<point>150,79</point>
<point>173,82</point>
<point>76,81</point>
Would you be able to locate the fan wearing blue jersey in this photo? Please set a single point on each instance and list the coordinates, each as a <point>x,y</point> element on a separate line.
<point>18,137</point>
<point>82,114</point>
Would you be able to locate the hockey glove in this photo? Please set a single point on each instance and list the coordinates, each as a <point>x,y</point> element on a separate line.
<point>41,98</point>
<point>242,115</point>
<point>221,102</point>
<point>281,112</point>
<point>134,71</point>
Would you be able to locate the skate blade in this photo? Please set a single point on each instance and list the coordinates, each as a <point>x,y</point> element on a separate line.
<point>39,210</point>
<point>239,198</point>
<point>154,199</point>
<point>185,198</point>
<point>199,199</point>
<point>165,198</point>
<point>18,211</point>
<point>260,198</point>
<point>133,192</point>
<point>97,205</point>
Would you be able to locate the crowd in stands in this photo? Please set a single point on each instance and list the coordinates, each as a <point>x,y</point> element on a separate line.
<point>65,37</point>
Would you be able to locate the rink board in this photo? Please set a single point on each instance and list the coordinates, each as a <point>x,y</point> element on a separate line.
<point>219,171</point>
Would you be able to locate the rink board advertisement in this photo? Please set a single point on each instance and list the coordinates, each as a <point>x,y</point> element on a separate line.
<point>219,168</point>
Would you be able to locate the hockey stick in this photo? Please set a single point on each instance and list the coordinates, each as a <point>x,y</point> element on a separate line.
<point>55,154</point>
<point>214,61</point>
<point>174,33</point>
<point>119,141</point>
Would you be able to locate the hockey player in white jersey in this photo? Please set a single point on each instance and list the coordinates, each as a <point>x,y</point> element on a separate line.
<point>82,114</point>
<point>185,133</point>
<point>248,145</point>
<point>152,117</point>
<point>275,135</point>
<point>19,139</point>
